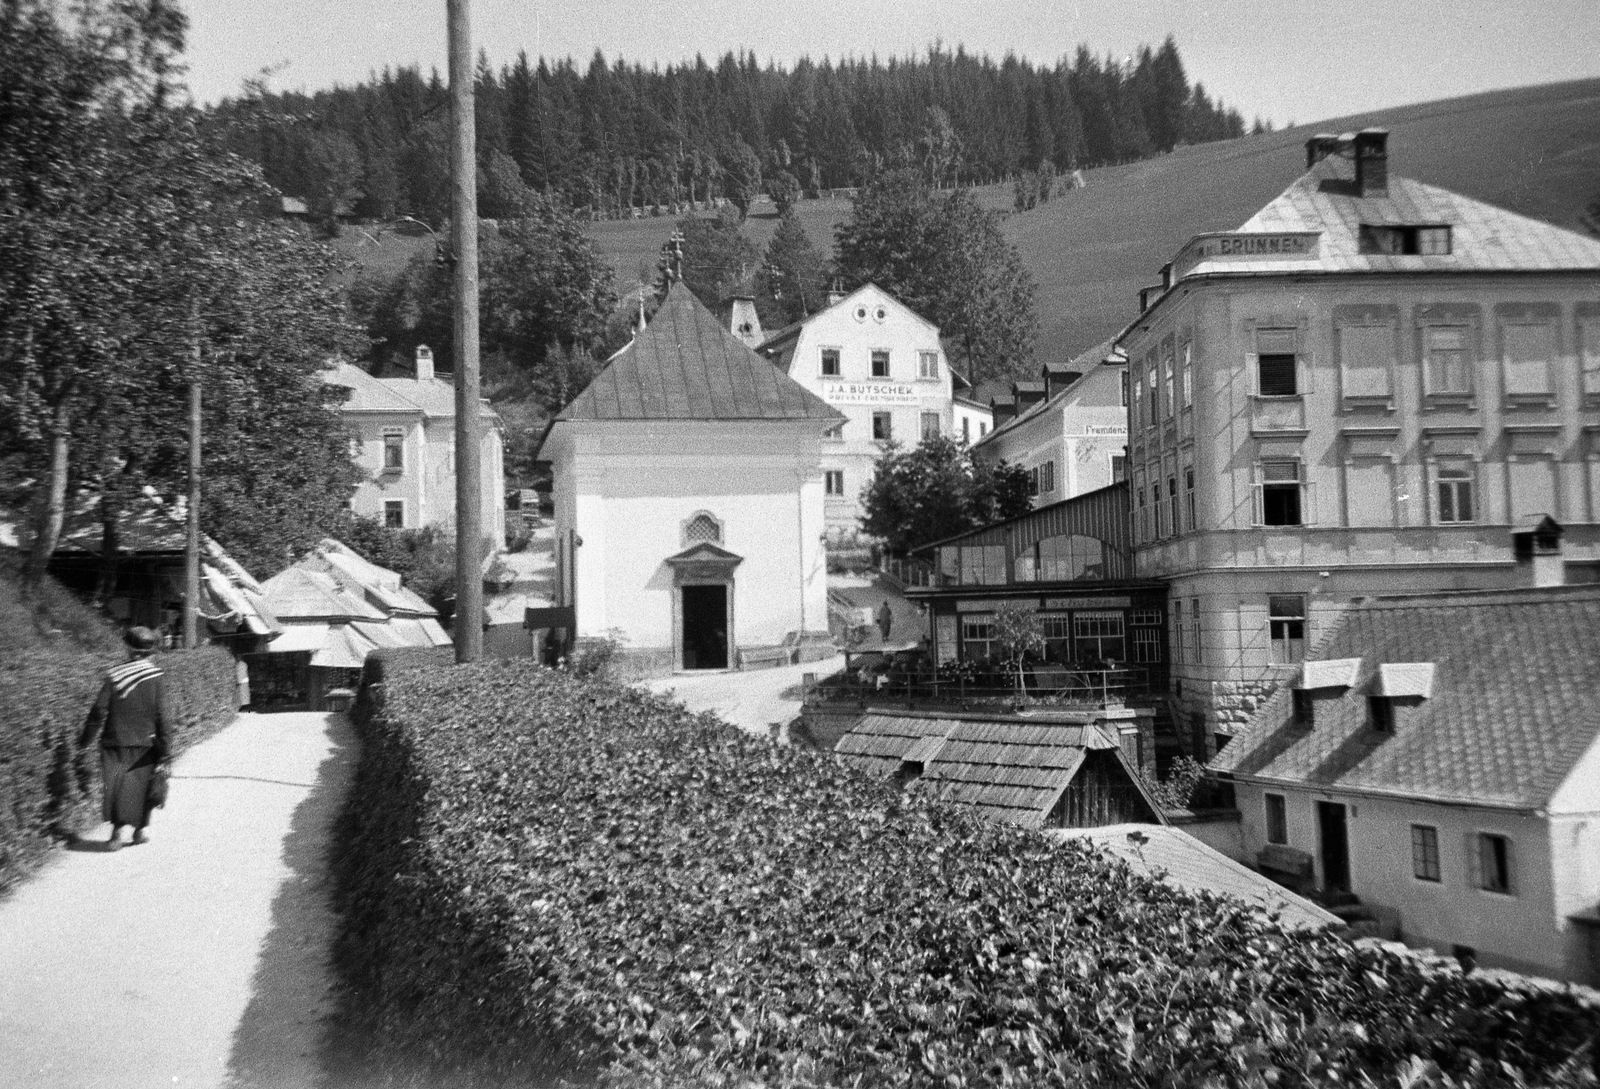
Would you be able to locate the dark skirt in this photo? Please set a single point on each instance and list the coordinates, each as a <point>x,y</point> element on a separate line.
<point>125,777</point>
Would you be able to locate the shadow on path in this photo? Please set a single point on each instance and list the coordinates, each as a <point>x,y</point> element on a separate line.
<point>277,1041</point>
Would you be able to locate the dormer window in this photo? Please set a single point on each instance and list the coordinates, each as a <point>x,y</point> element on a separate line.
<point>1405,241</point>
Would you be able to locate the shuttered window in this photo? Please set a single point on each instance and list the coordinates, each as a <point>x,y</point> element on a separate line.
<point>1276,363</point>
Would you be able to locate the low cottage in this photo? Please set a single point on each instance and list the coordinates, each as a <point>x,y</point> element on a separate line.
<point>1439,759</point>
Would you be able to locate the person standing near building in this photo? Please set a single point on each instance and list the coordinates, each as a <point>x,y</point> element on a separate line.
<point>128,718</point>
<point>885,619</point>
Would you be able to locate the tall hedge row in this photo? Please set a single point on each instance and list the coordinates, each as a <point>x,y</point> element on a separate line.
<point>53,655</point>
<point>545,877</point>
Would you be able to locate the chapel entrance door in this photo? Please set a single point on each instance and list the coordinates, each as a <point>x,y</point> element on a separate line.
<point>705,627</point>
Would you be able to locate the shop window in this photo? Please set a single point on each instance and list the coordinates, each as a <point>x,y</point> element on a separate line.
<point>1424,852</point>
<point>830,362</point>
<point>880,363</point>
<point>1057,638</point>
<point>833,481</point>
<point>927,364</point>
<point>977,638</point>
<point>1279,494</point>
<point>1286,627</point>
<point>1067,558</point>
<point>1494,863</point>
<point>1528,354</point>
<point>983,565</point>
<point>1277,818</point>
<point>394,513</point>
<point>1366,360</point>
<point>930,426</point>
<point>1146,645</point>
<point>703,527</point>
<point>882,426</point>
<point>1099,635</point>
<point>1277,364</point>
<point>1454,490</point>
<point>1447,364</point>
<point>394,457</point>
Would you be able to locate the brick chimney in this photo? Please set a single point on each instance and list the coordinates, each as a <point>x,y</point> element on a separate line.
<point>1319,147</point>
<point>1372,162</point>
<point>739,312</point>
<point>424,363</point>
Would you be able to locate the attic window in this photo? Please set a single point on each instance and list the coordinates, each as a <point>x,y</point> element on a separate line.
<point>1380,710</point>
<point>1304,707</point>
<point>1391,241</point>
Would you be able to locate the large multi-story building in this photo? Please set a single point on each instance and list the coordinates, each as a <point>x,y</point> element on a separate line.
<point>1372,386</point>
<point>882,366</point>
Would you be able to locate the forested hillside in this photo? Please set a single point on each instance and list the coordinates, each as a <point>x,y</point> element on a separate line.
<point>613,136</point>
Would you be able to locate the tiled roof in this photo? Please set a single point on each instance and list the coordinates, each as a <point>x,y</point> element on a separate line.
<point>686,366</point>
<point>1172,855</point>
<point>879,742</point>
<point>1484,238</point>
<point>435,398</point>
<point>1512,708</point>
<point>1084,364</point>
<point>299,594</point>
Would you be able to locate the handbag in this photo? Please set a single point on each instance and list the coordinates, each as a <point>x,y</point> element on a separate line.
<point>156,796</point>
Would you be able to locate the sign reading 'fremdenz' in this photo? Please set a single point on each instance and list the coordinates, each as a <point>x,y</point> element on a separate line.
<point>871,393</point>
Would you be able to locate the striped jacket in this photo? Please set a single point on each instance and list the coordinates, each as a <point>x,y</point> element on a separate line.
<point>129,712</point>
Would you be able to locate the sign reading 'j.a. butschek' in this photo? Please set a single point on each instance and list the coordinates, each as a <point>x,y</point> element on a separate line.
<point>871,393</point>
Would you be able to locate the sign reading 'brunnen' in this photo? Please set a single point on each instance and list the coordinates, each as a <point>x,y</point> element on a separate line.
<point>870,393</point>
<point>1247,245</point>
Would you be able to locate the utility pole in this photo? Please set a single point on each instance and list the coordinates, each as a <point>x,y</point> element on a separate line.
<point>191,544</point>
<point>468,628</point>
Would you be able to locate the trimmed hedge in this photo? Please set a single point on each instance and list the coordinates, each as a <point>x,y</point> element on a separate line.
<point>548,877</point>
<point>53,656</point>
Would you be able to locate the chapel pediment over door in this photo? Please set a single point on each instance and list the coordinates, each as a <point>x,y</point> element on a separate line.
<point>704,561</point>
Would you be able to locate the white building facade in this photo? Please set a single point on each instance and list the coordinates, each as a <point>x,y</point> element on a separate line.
<point>688,490</point>
<point>1075,439</point>
<point>882,367</point>
<point>404,442</point>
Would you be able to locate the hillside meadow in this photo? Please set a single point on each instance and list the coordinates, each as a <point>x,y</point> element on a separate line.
<point>1534,150</point>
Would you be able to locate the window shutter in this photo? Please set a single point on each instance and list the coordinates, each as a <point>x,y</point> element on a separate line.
<point>1474,853</point>
<point>1258,516</point>
<point>1308,501</point>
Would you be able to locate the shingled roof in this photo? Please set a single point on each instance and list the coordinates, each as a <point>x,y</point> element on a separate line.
<point>1008,768</point>
<point>685,366</point>
<point>1512,706</point>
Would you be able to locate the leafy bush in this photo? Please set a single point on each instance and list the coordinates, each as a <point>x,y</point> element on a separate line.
<point>545,876</point>
<point>54,654</point>
<point>1177,790</point>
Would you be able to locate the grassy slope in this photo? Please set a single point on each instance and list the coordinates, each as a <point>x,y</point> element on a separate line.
<point>1535,150</point>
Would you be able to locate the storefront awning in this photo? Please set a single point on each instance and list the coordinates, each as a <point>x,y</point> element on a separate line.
<point>299,637</point>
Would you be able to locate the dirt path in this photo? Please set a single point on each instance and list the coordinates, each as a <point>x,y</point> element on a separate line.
<point>199,959</point>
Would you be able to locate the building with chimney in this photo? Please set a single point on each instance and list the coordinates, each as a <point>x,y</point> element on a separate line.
<point>688,489</point>
<point>1068,428</point>
<point>404,442</point>
<point>1438,758</point>
<point>1373,386</point>
<point>882,366</point>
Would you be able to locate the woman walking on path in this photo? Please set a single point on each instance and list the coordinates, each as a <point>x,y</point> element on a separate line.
<point>128,715</point>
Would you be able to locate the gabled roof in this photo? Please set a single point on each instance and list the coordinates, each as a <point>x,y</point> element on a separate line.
<point>776,341</point>
<point>1484,238</point>
<point>686,366</point>
<point>298,594</point>
<point>1086,366</point>
<point>1011,769</point>
<point>1512,705</point>
<point>435,398</point>
<point>1172,855</point>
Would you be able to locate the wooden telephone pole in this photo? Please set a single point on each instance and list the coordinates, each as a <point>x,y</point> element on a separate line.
<point>191,544</point>
<point>468,628</point>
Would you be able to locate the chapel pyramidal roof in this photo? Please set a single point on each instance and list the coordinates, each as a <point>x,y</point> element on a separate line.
<point>685,366</point>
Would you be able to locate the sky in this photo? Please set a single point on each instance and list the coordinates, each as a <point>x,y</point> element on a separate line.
<point>1285,61</point>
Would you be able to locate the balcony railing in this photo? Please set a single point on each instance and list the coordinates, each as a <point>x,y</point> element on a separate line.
<point>1049,686</point>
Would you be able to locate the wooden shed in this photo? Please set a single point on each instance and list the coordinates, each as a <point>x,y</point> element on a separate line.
<point>1039,772</point>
